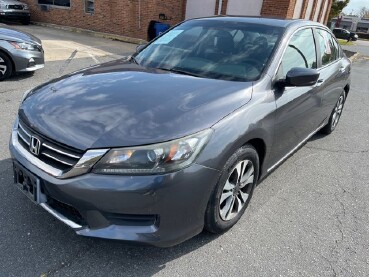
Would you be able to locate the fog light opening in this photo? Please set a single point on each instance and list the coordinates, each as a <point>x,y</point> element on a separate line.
<point>31,62</point>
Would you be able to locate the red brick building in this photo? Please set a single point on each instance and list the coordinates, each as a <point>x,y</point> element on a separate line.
<point>131,17</point>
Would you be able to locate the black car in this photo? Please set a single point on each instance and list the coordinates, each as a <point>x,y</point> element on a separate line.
<point>14,10</point>
<point>344,34</point>
<point>156,148</point>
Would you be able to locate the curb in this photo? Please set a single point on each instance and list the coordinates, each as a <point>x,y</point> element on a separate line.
<point>92,33</point>
<point>354,57</point>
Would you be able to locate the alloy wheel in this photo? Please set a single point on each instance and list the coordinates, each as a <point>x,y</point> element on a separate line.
<point>337,111</point>
<point>236,190</point>
<point>3,66</point>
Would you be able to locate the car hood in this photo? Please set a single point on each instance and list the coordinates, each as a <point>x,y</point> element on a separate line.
<point>122,104</point>
<point>15,35</point>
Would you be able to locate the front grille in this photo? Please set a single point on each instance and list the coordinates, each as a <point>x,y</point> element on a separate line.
<point>16,14</point>
<point>15,7</point>
<point>50,152</point>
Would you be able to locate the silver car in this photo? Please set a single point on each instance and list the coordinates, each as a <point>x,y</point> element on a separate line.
<point>19,52</point>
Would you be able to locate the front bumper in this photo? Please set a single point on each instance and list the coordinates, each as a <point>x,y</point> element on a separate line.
<point>15,15</point>
<point>160,210</point>
<point>27,61</point>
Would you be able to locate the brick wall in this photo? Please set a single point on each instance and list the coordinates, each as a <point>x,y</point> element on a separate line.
<point>131,17</point>
<point>280,8</point>
<point>122,17</point>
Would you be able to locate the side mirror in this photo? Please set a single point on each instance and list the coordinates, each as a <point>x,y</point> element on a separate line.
<point>301,77</point>
<point>140,47</point>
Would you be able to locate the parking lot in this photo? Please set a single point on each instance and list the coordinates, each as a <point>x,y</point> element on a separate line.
<point>310,217</point>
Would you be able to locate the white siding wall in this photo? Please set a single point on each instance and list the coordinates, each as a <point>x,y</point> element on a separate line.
<point>298,9</point>
<point>308,9</point>
<point>197,8</point>
<point>317,10</point>
<point>244,7</point>
<point>324,11</point>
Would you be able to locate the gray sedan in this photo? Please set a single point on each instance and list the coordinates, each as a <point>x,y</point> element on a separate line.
<point>19,52</point>
<point>158,147</point>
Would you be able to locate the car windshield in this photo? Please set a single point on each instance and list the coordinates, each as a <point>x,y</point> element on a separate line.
<point>226,50</point>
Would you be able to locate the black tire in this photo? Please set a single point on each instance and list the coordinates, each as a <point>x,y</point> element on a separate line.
<point>216,220</point>
<point>335,115</point>
<point>6,66</point>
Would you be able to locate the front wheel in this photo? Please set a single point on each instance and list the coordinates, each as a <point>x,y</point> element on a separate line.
<point>335,115</point>
<point>6,66</point>
<point>233,191</point>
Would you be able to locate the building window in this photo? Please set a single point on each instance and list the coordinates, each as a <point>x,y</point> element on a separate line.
<point>89,6</point>
<point>60,3</point>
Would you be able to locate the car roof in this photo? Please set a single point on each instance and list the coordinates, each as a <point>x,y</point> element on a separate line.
<point>278,22</point>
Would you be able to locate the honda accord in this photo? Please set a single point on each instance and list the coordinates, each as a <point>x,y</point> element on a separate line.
<point>173,140</point>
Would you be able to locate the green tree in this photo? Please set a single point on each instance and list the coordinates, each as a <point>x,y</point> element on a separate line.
<point>337,7</point>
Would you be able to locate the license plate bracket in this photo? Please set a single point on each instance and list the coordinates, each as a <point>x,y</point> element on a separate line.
<point>28,183</point>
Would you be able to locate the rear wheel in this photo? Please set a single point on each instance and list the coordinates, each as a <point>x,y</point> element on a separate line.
<point>233,191</point>
<point>6,66</point>
<point>335,115</point>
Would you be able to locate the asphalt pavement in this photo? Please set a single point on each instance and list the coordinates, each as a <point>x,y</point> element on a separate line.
<point>359,46</point>
<point>310,217</point>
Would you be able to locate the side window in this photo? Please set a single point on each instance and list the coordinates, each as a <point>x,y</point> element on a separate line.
<point>300,52</point>
<point>329,50</point>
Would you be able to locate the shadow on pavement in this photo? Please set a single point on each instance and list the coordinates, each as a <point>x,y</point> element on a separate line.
<point>20,76</point>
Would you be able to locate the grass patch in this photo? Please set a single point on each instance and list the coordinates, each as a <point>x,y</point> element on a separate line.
<point>344,42</point>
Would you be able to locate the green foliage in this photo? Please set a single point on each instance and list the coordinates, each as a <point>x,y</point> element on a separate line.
<point>337,7</point>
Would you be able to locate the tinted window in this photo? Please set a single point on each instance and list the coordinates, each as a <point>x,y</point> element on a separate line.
<point>329,50</point>
<point>213,49</point>
<point>64,3</point>
<point>300,52</point>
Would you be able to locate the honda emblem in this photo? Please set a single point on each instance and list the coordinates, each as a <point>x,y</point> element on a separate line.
<point>35,146</point>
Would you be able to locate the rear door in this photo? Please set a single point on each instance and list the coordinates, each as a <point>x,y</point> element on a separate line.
<point>297,113</point>
<point>334,70</point>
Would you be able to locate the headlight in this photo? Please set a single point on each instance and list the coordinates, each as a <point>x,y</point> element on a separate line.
<point>24,46</point>
<point>153,159</point>
<point>25,7</point>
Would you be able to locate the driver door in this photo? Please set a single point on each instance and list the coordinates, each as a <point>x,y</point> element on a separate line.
<point>297,108</point>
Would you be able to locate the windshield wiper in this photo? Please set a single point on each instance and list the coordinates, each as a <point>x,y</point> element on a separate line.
<point>178,71</point>
<point>133,59</point>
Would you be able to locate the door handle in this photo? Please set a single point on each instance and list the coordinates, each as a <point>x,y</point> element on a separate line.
<point>342,69</point>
